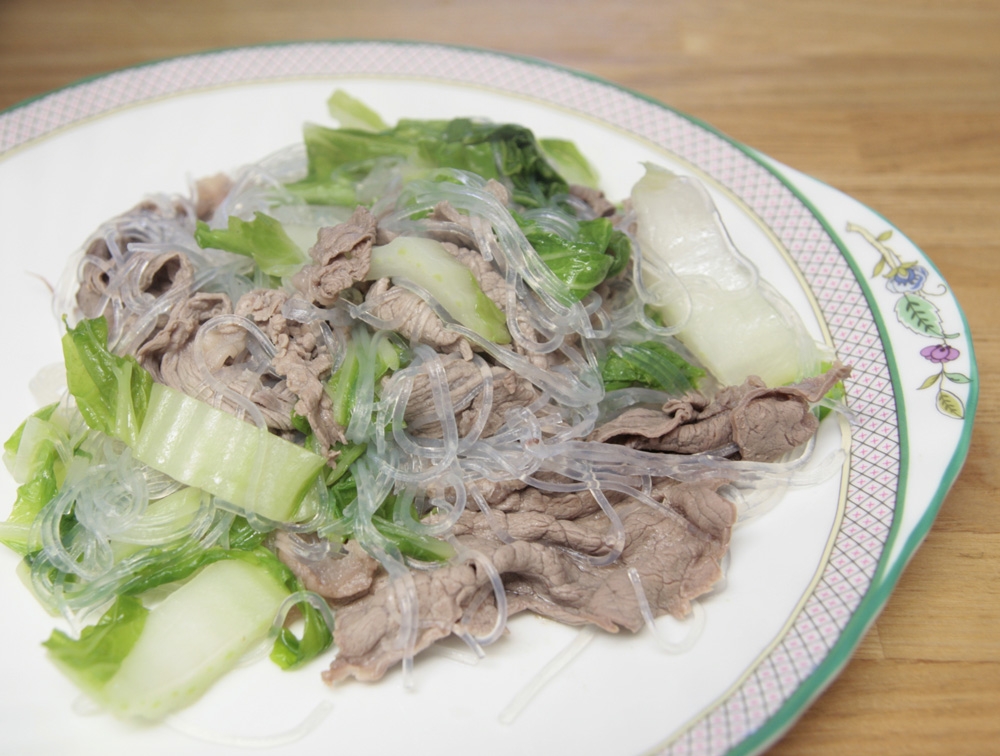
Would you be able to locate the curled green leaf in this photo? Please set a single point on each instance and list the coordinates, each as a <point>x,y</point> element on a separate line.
<point>264,239</point>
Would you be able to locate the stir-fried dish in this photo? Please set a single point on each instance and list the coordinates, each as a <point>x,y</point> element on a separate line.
<point>392,385</point>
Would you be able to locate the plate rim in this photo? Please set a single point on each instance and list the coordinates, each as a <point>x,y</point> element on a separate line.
<point>886,576</point>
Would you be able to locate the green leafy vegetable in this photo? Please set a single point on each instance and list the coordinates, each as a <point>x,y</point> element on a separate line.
<point>414,545</point>
<point>144,663</point>
<point>32,454</point>
<point>343,385</point>
<point>340,158</point>
<point>570,162</point>
<point>301,424</point>
<point>650,364</point>
<point>595,252</point>
<point>198,445</point>
<point>731,320</point>
<point>349,454</point>
<point>243,536</point>
<point>111,392</point>
<point>620,249</point>
<point>165,565</point>
<point>290,651</point>
<point>97,655</point>
<point>343,495</point>
<point>351,113</point>
<point>264,239</point>
<point>13,444</point>
<point>835,394</point>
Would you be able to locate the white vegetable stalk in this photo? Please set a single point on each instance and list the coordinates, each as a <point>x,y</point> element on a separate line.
<point>195,636</point>
<point>735,324</point>
<point>244,465</point>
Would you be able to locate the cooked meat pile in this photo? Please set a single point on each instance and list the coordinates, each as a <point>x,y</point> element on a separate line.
<point>546,547</point>
<point>676,552</point>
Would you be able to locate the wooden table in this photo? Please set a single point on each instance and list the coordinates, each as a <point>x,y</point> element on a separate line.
<point>896,102</point>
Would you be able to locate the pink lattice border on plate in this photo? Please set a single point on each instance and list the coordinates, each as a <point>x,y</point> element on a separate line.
<point>875,444</point>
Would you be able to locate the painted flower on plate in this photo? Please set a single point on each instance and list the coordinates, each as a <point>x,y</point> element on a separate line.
<point>907,279</point>
<point>940,353</point>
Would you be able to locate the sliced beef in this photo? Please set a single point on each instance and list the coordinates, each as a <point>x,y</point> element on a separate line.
<point>465,385</point>
<point>299,360</point>
<point>173,358</point>
<point>103,274</point>
<point>449,226</point>
<point>413,318</point>
<point>494,492</point>
<point>366,631</point>
<point>209,193</point>
<point>676,562</point>
<point>705,429</point>
<point>675,551</point>
<point>95,275</point>
<point>499,191</point>
<point>178,334</point>
<point>342,256</point>
<point>595,199</point>
<point>565,506</point>
<point>465,382</point>
<point>144,276</point>
<point>338,577</point>
<point>763,422</point>
<point>510,391</point>
<point>576,534</point>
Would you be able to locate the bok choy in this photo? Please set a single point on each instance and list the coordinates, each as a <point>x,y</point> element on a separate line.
<point>34,455</point>
<point>339,159</point>
<point>733,322</point>
<point>264,239</point>
<point>143,664</point>
<point>201,446</point>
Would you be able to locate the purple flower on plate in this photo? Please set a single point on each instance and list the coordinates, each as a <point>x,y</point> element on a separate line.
<point>907,280</point>
<point>940,353</point>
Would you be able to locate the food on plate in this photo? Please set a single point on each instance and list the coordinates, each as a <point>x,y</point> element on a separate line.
<point>732,321</point>
<point>392,385</point>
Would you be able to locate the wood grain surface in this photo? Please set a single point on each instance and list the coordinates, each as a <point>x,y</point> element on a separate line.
<point>895,102</point>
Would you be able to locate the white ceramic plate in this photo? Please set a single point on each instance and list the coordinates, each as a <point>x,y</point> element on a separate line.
<point>805,580</point>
